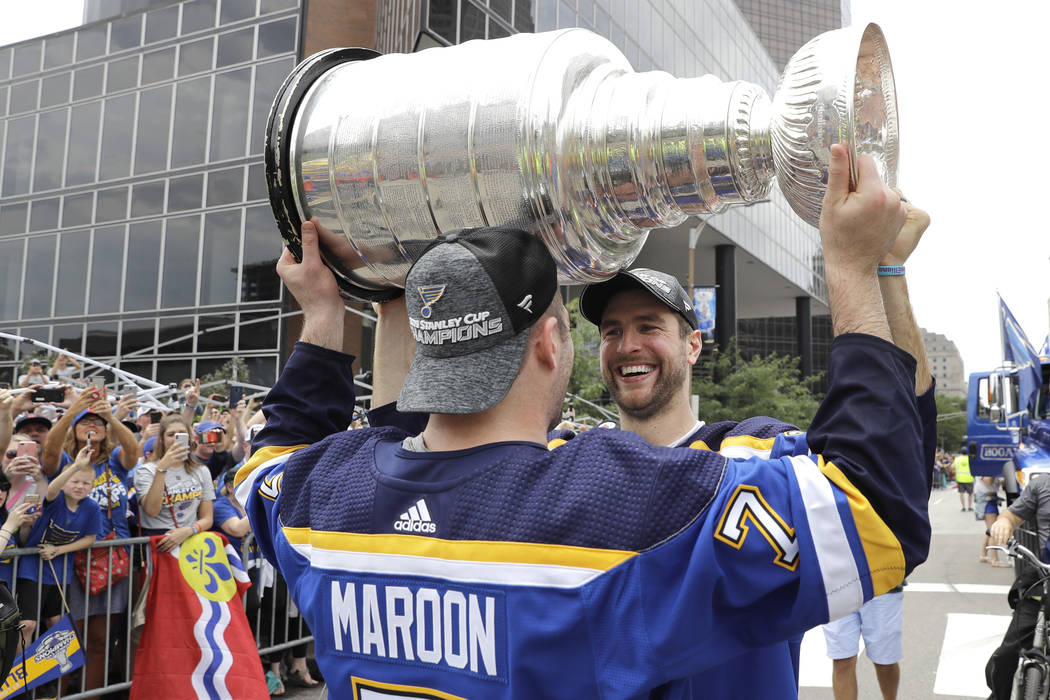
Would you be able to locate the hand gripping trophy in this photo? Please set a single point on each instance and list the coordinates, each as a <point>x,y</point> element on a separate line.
<point>556,134</point>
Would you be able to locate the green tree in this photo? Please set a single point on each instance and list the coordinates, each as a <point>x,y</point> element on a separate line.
<point>235,369</point>
<point>951,422</point>
<point>759,386</point>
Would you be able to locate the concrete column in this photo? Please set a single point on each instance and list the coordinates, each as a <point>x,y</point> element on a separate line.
<point>804,333</point>
<point>725,299</point>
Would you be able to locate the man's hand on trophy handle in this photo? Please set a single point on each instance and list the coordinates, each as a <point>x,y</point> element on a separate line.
<point>313,285</point>
<point>858,227</point>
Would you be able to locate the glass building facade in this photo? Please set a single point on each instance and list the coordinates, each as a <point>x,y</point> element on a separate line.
<point>134,223</point>
<point>783,27</point>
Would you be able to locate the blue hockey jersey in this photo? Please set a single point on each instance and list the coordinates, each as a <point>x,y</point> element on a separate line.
<point>605,568</point>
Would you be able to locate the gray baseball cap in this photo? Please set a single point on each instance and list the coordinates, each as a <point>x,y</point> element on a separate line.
<point>660,284</point>
<point>472,297</point>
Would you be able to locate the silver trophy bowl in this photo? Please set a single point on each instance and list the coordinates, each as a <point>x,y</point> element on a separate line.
<point>556,134</point>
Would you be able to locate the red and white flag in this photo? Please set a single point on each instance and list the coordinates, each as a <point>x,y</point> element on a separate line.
<point>197,644</point>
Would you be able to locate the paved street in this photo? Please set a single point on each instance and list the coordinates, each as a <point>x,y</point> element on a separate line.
<point>955,613</point>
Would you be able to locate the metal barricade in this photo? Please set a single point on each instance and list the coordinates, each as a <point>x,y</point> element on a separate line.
<point>274,619</point>
<point>273,616</point>
<point>111,608</point>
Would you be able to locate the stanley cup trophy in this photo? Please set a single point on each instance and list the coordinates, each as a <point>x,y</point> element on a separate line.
<point>556,134</point>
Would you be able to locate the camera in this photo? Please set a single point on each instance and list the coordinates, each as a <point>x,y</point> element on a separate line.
<point>211,437</point>
<point>48,395</point>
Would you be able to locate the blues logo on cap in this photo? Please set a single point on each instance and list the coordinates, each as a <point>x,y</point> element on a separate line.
<point>429,294</point>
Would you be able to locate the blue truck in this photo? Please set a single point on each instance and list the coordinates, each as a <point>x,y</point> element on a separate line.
<point>1000,431</point>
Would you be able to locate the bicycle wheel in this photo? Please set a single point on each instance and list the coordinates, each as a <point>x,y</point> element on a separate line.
<point>1032,687</point>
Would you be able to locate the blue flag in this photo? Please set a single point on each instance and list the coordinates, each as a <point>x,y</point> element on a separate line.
<point>1045,350</point>
<point>1018,350</point>
<point>55,653</point>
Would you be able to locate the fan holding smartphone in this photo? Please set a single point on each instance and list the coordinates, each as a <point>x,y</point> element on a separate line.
<point>175,490</point>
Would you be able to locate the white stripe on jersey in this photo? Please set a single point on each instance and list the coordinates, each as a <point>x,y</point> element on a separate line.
<point>502,573</point>
<point>842,584</point>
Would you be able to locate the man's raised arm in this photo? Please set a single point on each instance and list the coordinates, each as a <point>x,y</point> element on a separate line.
<point>308,403</point>
<point>868,428</point>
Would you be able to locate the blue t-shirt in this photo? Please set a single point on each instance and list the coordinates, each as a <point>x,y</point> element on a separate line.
<point>59,525</point>
<point>112,499</point>
<point>7,566</point>
<point>223,511</point>
<point>115,466</point>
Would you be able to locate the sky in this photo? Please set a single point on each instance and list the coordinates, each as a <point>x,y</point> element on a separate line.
<point>21,20</point>
<point>975,155</point>
<point>974,150</point>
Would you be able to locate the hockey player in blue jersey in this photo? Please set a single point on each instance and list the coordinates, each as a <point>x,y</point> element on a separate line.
<point>470,561</point>
<point>649,343</point>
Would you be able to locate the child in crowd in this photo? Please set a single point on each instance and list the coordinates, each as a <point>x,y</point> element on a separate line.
<point>69,523</point>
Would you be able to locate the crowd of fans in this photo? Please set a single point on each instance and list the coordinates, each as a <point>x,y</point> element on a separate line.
<point>84,463</point>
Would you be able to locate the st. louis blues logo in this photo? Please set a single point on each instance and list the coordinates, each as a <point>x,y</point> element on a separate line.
<point>429,294</point>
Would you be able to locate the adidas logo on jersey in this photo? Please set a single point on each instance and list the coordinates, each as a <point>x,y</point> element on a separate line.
<point>416,519</point>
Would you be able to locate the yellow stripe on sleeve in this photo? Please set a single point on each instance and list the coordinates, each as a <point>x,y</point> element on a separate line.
<point>460,550</point>
<point>262,456</point>
<point>883,551</point>
<point>748,441</point>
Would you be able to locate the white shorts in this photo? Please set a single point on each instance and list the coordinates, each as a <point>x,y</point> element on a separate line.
<point>879,620</point>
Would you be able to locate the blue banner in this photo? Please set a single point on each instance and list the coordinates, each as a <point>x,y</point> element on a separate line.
<point>1018,350</point>
<point>704,306</point>
<point>55,653</point>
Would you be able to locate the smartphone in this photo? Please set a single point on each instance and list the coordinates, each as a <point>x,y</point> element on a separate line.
<point>155,416</point>
<point>211,437</point>
<point>98,381</point>
<point>218,398</point>
<point>183,439</point>
<point>5,385</point>
<point>33,499</point>
<point>236,394</point>
<point>42,395</point>
<point>28,449</point>
<point>95,393</point>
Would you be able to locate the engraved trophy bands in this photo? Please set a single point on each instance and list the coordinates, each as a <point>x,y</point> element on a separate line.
<point>554,133</point>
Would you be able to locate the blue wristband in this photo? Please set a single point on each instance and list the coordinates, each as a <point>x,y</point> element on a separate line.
<point>891,270</point>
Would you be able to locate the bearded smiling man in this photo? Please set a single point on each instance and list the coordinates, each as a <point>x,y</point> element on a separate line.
<point>649,344</point>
